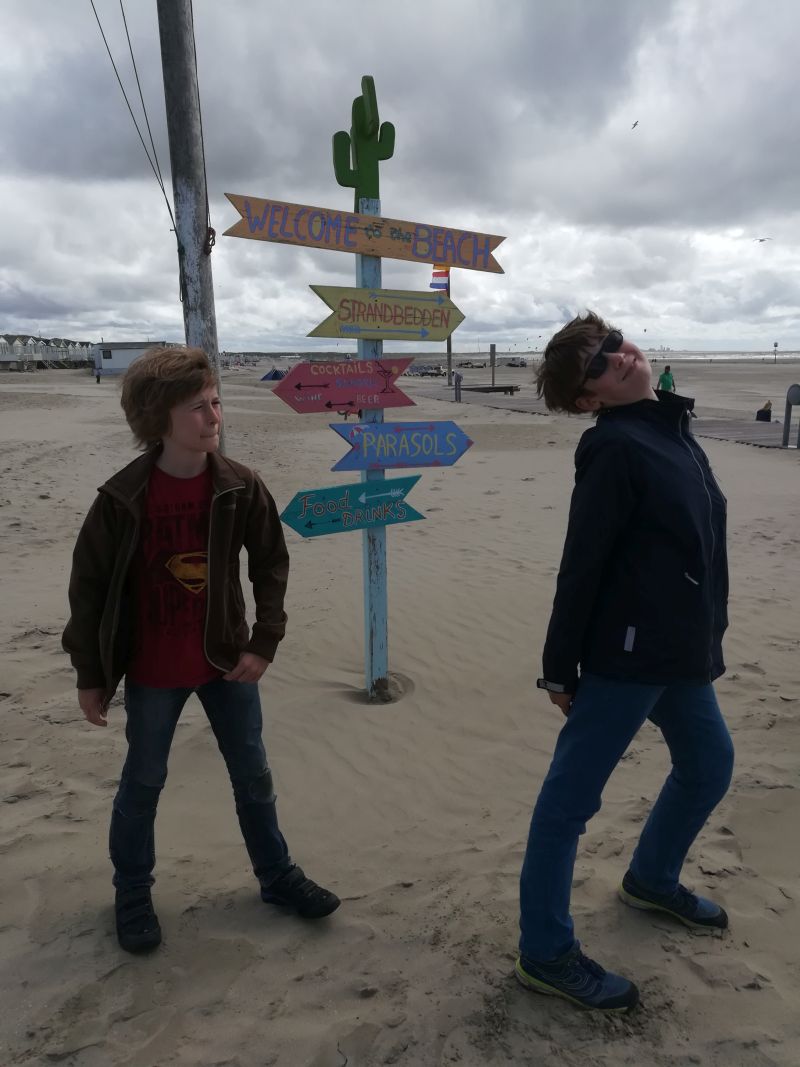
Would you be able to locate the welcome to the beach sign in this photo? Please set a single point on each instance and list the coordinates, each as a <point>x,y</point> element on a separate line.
<point>318,227</point>
<point>367,385</point>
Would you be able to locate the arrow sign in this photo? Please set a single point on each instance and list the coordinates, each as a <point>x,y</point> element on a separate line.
<point>319,227</point>
<point>394,313</point>
<point>345,386</point>
<point>391,445</point>
<point>315,512</point>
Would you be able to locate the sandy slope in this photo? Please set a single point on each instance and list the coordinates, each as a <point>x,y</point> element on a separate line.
<point>416,812</point>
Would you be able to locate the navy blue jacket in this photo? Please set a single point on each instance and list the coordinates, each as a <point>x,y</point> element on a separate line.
<point>643,586</point>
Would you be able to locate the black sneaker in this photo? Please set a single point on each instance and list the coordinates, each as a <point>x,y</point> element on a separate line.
<point>138,929</point>
<point>576,978</point>
<point>698,913</point>
<point>294,890</point>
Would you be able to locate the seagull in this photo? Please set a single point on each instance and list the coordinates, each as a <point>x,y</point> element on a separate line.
<point>635,125</point>
<point>762,239</point>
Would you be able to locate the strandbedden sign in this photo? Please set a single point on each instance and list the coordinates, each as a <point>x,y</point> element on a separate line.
<point>367,235</point>
<point>398,314</point>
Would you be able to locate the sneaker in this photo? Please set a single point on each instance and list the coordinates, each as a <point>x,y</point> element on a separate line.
<point>578,979</point>
<point>698,913</point>
<point>138,929</point>
<point>294,890</point>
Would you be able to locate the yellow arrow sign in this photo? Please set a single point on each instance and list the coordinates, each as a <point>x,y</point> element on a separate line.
<point>319,227</point>
<point>391,314</point>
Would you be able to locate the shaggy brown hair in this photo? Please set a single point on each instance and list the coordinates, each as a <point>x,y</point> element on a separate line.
<point>158,380</point>
<point>562,368</point>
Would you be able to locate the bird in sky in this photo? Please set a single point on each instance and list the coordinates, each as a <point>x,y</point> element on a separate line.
<point>762,239</point>
<point>635,125</point>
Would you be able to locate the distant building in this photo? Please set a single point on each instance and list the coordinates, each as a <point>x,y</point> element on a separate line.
<point>114,357</point>
<point>26,352</point>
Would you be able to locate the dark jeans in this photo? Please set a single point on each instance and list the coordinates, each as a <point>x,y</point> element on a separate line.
<point>604,719</point>
<point>234,712</point>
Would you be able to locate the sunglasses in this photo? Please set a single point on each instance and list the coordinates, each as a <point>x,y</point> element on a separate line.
<point>596,367</point>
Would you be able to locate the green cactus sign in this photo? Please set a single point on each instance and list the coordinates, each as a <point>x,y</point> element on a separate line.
<point>356,155</point>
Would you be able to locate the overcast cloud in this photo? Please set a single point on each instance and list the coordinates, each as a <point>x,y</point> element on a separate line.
<point>513,117</point>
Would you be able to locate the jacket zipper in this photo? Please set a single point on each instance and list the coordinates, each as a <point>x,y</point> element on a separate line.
<point>710,526</point>
<point>123,576</point>
<point>214,499</point>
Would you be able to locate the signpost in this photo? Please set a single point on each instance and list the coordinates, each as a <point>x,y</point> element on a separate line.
<point>361,506</point>
<point>347,386</point>
<point>392,445</point>
<point>319,227</point>
<point>369,314</point>
<point>386,313</point>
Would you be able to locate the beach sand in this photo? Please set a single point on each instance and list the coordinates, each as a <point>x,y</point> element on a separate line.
<point>415,812</point>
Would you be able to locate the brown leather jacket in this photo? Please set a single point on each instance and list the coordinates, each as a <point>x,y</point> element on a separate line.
<point>99,633</point>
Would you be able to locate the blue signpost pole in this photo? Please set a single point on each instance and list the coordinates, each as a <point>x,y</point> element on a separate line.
<point>376,613</point>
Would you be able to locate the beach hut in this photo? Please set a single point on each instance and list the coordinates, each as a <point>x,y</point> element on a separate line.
<point>114,357</point>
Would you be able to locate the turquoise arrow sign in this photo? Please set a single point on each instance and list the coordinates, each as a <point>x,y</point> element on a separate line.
<point>361,506</point>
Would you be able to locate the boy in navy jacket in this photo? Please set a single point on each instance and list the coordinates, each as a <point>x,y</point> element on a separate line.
<point>625,645</point>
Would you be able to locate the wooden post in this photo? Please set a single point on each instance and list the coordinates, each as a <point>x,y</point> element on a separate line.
<point>792,398</point>
<point>449,343</point>
<point>492,359</point>
<point>376,609</point>
<point>190,194</point>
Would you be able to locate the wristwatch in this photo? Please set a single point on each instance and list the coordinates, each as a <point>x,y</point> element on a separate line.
<point>552,687</point>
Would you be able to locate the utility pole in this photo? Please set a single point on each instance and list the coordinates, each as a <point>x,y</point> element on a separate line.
<point>190,193</point>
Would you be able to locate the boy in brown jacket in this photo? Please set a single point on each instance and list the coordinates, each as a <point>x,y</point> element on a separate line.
<point>155,598</point>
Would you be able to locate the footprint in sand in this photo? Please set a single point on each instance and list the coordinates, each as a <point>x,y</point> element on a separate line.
<point>754,667</point>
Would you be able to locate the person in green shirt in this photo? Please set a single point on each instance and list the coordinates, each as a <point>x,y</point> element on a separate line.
<point>666,381</point>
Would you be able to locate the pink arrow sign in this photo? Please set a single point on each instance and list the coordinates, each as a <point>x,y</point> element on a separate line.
<point>346,386</point>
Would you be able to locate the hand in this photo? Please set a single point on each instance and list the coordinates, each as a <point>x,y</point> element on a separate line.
<point>94,706</point>
<point>250,668</point>
<point>562,701</point>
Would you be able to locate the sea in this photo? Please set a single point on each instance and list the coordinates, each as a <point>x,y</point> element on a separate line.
<point>655,355</point>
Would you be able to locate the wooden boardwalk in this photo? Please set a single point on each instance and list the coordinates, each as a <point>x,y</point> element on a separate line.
<point>730,427</point>
<point>743,431</point>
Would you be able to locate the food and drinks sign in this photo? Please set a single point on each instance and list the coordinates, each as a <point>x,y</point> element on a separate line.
<point>351,507</point>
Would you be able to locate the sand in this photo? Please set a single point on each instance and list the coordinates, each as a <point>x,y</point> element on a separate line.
<point>416,812</point>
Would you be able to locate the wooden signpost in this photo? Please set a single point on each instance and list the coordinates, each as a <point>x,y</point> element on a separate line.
<point>319,227</point>
<point>394,314</point>
<point>369,314</point>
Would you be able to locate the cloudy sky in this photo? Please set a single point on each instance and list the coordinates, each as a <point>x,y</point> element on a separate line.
<point>513,117</point>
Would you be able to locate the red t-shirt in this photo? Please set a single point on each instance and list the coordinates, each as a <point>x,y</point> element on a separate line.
<point>171,575</point>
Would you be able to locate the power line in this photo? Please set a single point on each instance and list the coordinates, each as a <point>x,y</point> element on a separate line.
<point>141,97</point>
<point>153,166</point>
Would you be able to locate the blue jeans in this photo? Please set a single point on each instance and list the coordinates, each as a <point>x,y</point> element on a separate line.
<point>234,712</point>
<point>604,718</point>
